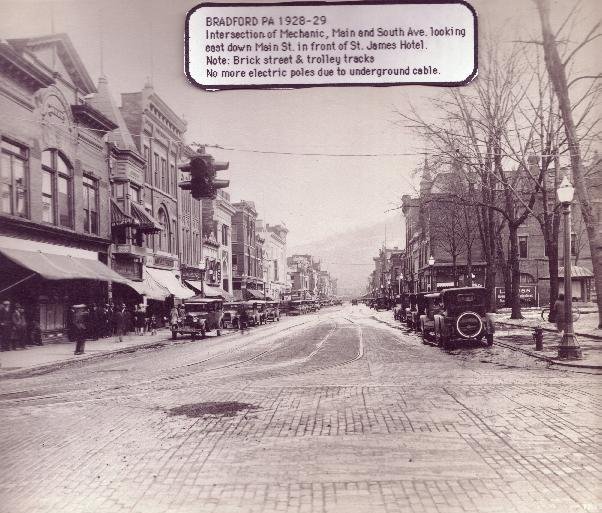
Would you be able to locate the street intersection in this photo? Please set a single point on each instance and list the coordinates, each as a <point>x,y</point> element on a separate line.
<point>328,412</point>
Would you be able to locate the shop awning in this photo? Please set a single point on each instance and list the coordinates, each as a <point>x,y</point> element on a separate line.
<point>210,291</point>
<point>147,222</point>
<point>195,285</point>
<point>576,272</point>
<point>168,280</point>
<point>119,217</point>
<point>63,267</point>
<point>150,288</point>
<point>254,294</point>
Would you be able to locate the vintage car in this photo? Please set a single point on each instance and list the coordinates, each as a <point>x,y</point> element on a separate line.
<point>201,315</point>
<point>410,306</point>
<point>418,310</point>
<point>256,312</point>
<point>400,310</point>
<point>354,302</point>
<point>230,319</point>
<point>381,303</point>
<point>463,316</point>
<point>272,310</point>
<point>427,319</point>
<point>296,307</point>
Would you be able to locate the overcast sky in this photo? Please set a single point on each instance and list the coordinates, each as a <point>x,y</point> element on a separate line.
<point>315,196</point>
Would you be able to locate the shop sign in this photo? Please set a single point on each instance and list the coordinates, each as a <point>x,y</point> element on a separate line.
<point>162,261</point>
<point>527,294</point>
<point>191,273</point>
<point>128,269</point>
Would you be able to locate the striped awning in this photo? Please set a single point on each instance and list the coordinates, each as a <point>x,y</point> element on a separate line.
<point>119,217</point>
<point>146,222</point>
<point>576,272</point>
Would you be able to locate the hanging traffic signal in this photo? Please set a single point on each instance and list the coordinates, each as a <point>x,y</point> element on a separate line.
<point>202,184</point>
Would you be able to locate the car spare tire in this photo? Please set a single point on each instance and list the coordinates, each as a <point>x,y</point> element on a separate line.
<point>469,325</point>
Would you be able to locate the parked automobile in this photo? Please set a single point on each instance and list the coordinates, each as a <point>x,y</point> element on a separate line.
<point>255,312</point>
<point>381,303</point>
<point>354,302</point>
<point>230,318</point>
<point>296,307</point>
<point>201,315</point>
<point>463,316</point>
<point>411,307</point>
<point>272,310</point>
<point>418,310</point>
<point>427,319</point>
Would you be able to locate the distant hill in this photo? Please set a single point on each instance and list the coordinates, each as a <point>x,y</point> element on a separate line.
<point>348,256</point>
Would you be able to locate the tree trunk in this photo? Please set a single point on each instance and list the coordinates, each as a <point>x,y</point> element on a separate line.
<point>514,273</point>
<point>552,246</point>
<point>556,71</point>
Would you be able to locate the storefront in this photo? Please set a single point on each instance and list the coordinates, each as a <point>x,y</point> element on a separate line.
<point>48,282</point>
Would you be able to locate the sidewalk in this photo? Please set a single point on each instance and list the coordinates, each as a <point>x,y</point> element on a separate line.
<point>517,334</point>
<point>51,355</point>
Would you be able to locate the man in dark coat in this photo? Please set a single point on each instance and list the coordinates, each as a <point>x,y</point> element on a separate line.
<point>119,321</point>
<point>5,325</point>
<point>81,326</point>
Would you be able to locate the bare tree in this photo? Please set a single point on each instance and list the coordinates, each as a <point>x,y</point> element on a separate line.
<point>557,71</point>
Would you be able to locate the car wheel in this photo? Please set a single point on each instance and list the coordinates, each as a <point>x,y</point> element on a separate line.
<point>203,333</point>
<point>235,324</point>
<point>193,336</point>
<point>174,335</point>
<point>489,339</point>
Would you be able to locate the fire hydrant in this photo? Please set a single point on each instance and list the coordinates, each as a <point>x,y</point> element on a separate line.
<point>538,338</point>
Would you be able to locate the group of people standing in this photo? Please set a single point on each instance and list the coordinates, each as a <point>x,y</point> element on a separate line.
<point>15,331</point>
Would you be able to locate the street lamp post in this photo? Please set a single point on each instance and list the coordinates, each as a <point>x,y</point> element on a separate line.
<point>568,346</point>
<point>432,276</point>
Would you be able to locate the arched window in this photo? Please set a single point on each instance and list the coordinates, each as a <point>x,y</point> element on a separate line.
<point>165,234</point>
<point>526,279</point>
<point>57,189</point>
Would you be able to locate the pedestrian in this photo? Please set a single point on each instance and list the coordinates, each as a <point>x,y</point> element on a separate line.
<point>36,334</point>
<point>139,320</point>
<point>93,322</point>
<point>152,324</point>
<point>243,319</point>
<point>559,314</point>
<point>81,327</point>
<point>19,328</point>
<point>5,325</point>
<point>119,320</point>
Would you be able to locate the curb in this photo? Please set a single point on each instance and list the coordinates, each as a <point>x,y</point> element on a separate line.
<point>550,330</point>
<point>520,349</point>
<point>48,367</point>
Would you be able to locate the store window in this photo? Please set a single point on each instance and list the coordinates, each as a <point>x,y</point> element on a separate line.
<point>57,197</point>
<point>90,201</point>
<point>523,246</point>
<point>13,179</point>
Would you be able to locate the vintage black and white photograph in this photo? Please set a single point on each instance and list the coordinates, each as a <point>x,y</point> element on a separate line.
<point>300,257</point>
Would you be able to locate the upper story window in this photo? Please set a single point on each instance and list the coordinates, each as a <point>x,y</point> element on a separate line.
<point>90,201</point>
<point>225,235</point>
<point>156,170</point>
<point>135,194</point>
<point>164,177</point>
<point>573,244</point>
<point>57,195</point>
<point>523,246</point>
<point>13,179</point>
<point>147,166</point>
<point>165,234</point>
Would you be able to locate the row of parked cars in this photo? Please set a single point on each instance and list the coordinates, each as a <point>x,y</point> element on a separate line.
<point>202,315</point>
<point>444,317</point>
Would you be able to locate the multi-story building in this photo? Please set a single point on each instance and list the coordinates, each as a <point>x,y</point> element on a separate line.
<point>55,222</point>
<point>130,223</point>
<point>159,136</point>
<point>302,273</point>
<point>247,279</point>
<point>217,242</point>
<point>434,228</point>
<point>275,275</point>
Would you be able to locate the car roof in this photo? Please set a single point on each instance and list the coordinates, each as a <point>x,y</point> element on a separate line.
<point>203,300</point>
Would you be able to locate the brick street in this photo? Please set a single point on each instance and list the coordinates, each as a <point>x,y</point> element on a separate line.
<point>330,412</point>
